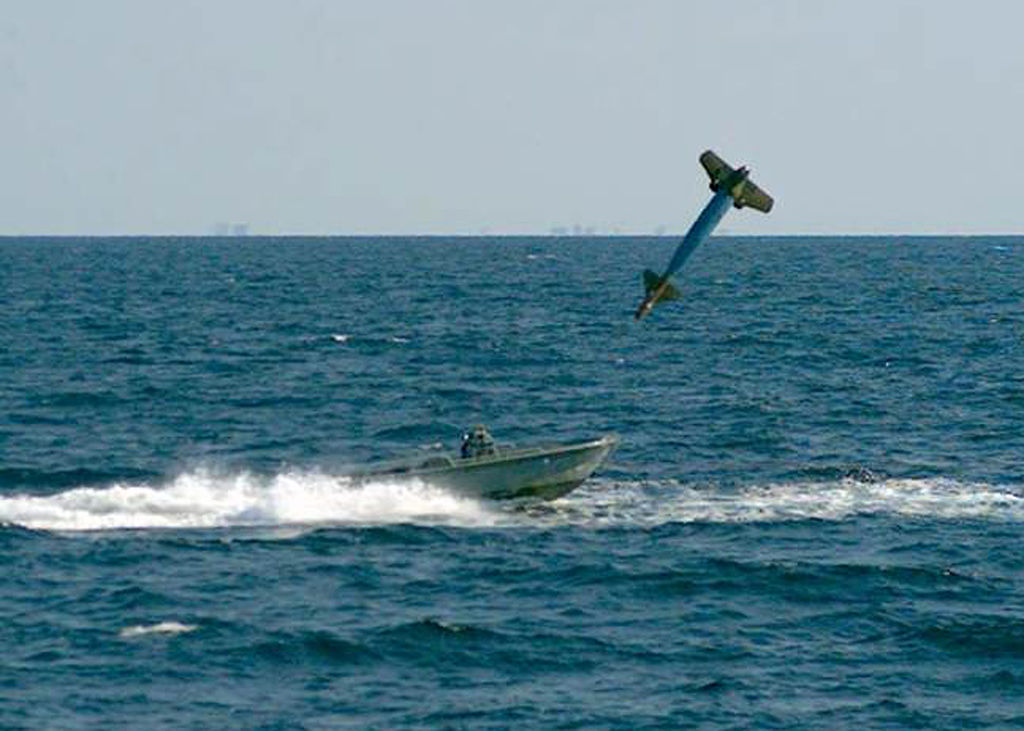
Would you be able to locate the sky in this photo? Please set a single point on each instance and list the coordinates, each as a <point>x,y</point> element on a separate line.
<point>518,116</point>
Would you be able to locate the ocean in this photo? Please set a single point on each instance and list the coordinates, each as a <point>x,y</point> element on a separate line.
<point>814,518</point>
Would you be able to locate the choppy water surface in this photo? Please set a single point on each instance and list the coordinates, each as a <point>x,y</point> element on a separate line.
<point>814,519</point>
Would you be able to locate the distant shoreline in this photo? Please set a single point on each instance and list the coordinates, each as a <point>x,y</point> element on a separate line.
<point>510,236</point>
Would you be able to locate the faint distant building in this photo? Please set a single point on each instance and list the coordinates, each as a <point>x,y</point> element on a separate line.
<point>222,228</point>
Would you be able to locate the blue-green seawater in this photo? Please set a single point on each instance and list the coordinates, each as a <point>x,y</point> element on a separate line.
<point>815,518</point>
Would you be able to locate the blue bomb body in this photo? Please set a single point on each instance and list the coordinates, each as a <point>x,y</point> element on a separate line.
<point>700,230</point>
<point>730,187</point>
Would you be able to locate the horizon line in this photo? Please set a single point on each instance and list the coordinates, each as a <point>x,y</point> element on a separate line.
<point>547,235</point>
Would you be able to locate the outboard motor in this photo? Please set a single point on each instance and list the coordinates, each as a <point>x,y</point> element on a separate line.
<point>478,442</point>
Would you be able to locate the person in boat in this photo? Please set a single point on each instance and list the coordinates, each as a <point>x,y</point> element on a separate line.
<point>478,442</point>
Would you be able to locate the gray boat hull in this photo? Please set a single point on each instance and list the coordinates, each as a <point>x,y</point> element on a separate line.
<point>539,472</point>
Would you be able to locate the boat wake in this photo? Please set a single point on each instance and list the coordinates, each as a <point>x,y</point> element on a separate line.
<point>602,503</point>
<point>205,499</point>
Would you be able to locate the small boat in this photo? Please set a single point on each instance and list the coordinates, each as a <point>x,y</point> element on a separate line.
<point>486,470</point>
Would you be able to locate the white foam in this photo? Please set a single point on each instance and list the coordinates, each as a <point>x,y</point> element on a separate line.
<point>602,503</point>
<point>166,628</point>
<point>206,499</point>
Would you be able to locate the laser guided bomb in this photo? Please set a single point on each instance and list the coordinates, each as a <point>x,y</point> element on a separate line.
<point>730,187</point>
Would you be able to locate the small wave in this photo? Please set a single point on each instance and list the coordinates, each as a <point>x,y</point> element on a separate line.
<point>430,627</point>
<point>432,641</point>
<point>310,647</point>
<point>29,479</point>
<point>160,628</point>
<point>77,399</point>
<point>985,636</point>
<point>344,338</point>
<point>205,499</point>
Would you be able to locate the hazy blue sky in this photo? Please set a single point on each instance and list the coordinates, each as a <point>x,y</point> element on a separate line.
<point>463,116</point>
